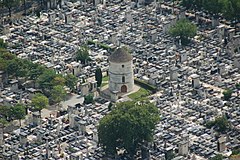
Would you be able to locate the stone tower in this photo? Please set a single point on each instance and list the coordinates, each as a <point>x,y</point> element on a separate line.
<point>121,78</point>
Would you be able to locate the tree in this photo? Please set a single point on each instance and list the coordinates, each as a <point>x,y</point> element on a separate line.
<point>82,54</point>
<point>19,112</point>
<point>238,86</point>
<point>3,44</point>
<point>71,81</point>
<point>137,119</point>
<point>17,68</point>
<point>183,29</point>
<point>217,157</point>
<point>227,94</point>
<point>25,7</point>
<point>9,4</point>
<point>192,4</point>
<point>214,7</point>
<point>58,80</point>
<point>45,80</point>
<point>220,123</point>
<point>88,99</point>
<point>98,76</point>
<point>39,101</point>
<point>35,71</point>
<point>5,112</point>
<point>58,94</point>
<point>231,11</point>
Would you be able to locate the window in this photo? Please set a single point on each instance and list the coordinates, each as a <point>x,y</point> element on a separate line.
<point>122,66</point>
<point>123,79</point>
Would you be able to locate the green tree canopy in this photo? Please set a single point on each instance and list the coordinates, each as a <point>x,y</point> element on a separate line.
<point>3,44</point>
<point>83,54</point>
<point>220,123</point>
<point>137,119</point>
<point>231,10</point>
<point>88,99</point>
<point>58,80</point>
<point>19,112</point>
<point>227,94</point>
<point>39,101</point>
<point>71,81</point>
<point>214,7</point>
<point>183,29</point>
<point>5,112</point>
<point>58,94</point>
<point>9,4</point>
<point>217,157</point>
<point>45,80</point>
<point>98,76</point>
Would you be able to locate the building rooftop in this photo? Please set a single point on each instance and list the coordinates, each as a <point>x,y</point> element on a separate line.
<point>120,55</point>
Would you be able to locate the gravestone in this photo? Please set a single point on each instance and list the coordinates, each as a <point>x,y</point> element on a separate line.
<point>95,135</point>
<point>36,118</point>
<point>51,17</point>
<point>173,73</point>
<point>68,17</point>
<point>114,96</point>
<point>236,61</point>
<point>221,32</point>
<point>183,145</point>
<point>221,145</point>
<point>1,134</point>
<point>23,138</point>
<point>82,125</point>
<point>195,81</point>
<point>84,89</point>
<point>93,86</point>
<point>221,68</point>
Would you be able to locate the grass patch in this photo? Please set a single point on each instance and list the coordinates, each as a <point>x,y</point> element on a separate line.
<point>141,93</point>
<point>104,84</point>
<point>105,78</point>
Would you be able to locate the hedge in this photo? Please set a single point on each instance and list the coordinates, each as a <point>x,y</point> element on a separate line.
<point>145,85</point>
<point>101,45</point>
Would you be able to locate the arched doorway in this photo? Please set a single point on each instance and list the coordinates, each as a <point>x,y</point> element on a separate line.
<point>124,88</point>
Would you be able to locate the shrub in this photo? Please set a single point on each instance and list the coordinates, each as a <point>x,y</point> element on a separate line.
<point>145,85</point>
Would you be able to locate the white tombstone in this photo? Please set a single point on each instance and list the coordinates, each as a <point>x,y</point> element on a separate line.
<point>95,135</point>
<point>82,125</point>
<point>231,33</point>
<point>215,22</point>
<point>173,74</point>
<point>13,85</point>
<point>129,17</point>
<point>221,144</point>
<point>96,2</point>
<point>68,17</point>
<point>1,135</point>
<point>221,68</point>
<point>36,118</point>
<point>72,121</point>
<point>114,96</point>
<point>220,31</point>
<point>236,61</point>
<point>84,89</point>
<point>93,86</point>
<point>153,35</point>
<point>183,146</point>
<point>51,17</point>
<point>183,56</point>
<point>195,81</point>
<point>23,138</point>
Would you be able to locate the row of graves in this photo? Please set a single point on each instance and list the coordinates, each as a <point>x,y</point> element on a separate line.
<point>190,79</point>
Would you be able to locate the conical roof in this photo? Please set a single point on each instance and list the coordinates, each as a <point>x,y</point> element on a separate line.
<point>120,55</point>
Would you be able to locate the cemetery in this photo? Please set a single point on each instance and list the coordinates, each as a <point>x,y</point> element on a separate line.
<point>194,86</point>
